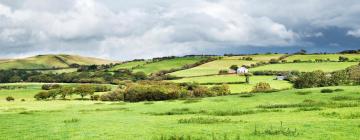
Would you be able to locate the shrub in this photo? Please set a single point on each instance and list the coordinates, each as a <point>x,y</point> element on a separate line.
<point>101,88</point>
<point>23,100</point>
<point>222,72</point>
<point>327,91</point>
<point>50,86</point>
<point>339,90</point>
<point>95,97</point>
<point>220,90</point>
<point>10,98</point>
<point>43,95</point>
<point>116,95</point>
<point>262,87</point>
<point>202,92</point>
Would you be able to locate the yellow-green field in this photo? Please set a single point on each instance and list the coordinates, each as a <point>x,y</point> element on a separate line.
<point>239,85</point>
<point>167,64</point>
<point>332,57</point>
<point>306,67</point>
<point>214,67</point>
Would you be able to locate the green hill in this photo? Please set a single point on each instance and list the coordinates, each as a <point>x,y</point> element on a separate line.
<point>149,67</point>
<point>49,61</point>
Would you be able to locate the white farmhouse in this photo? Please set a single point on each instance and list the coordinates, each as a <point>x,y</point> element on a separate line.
<point>242,70</point>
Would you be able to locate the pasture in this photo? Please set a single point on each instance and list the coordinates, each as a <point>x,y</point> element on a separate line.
<point>305,67</point>
<point>237,83</point>
<point>211,68</point>
<point>167,64</point>
<point>128,65</point>
<point>313,57</point>
<point>290,114</point>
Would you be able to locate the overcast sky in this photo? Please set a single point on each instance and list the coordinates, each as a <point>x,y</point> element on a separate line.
<point>128,29</point>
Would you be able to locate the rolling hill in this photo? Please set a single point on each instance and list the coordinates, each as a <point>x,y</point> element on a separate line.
<point>50,61</point>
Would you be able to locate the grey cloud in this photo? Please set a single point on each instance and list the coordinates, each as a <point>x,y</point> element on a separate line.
<point>121,29</point>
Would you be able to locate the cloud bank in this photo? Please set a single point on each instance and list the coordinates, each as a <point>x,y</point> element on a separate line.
<point>121,29</point>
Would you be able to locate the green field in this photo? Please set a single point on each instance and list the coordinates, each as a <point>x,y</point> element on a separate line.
<point>213,68</point>
<point>238,88</point>
<point>332,57</point>
<point>128,65</point>
<point>168,64</point>
<point>259,57</point>
<point>50,61</point>
<point>306,67</point>
<point>292,114</point>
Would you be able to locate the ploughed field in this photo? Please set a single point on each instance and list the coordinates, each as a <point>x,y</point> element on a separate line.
<point>289,114</point>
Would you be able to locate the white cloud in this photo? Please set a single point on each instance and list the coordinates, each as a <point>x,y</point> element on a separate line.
<point>134,29</point>
<point>354,33</point>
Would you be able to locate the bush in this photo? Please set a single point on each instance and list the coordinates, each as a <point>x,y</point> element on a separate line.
<point>339,90</point>
<point>262,87</point>
<point>95,97</point>
<point>327,91</point>
<point>222,72</point>
<point>43,95</point>
<point>220,90</point>
<point>101,88</point>
<point>10,98</point>
<point>202,92</point>
<point>50,86</point>
<point>23,100</point>
<point>116,95</point>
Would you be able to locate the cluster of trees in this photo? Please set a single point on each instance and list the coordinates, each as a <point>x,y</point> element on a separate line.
<point>349,76</point>
<point>350,51</point>
<point>53,91</point>
<point>156,91</point>
<point>12,87</point>
<point>12,76</point>
<point>248,58</point>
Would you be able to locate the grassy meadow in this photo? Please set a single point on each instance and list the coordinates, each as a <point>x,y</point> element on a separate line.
<point>128,65</point>
<point>237,83</point>
<point>290,114</point>
<point>167,64</point>
<point>306,67</point>
<point>313,57</point>
<point>213,68</point>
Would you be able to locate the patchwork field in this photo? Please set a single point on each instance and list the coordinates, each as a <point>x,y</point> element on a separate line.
<point>306,67</point>
<point>238,82</point>
<point>292,114</point>
<point>332,57</point>
<point>167,64</point>
<point>211,68</point>
<point>128,65</point>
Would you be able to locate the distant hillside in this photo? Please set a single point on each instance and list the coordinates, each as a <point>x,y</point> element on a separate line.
<point>50,61</point>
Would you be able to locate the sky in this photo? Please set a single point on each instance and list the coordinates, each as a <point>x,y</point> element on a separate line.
<point>125,30</point>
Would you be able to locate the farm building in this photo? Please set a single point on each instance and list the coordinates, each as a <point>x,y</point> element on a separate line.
<point>242,70</point>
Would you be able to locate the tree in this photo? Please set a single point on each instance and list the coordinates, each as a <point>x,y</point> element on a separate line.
<point>15,79</point>
<point>65,91</point>
<point>343,59</point>
<point>247,77</point>
<point>139,76</point>
<point>234,67</point>
<point>84,90</point>
<point>53,93</point>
